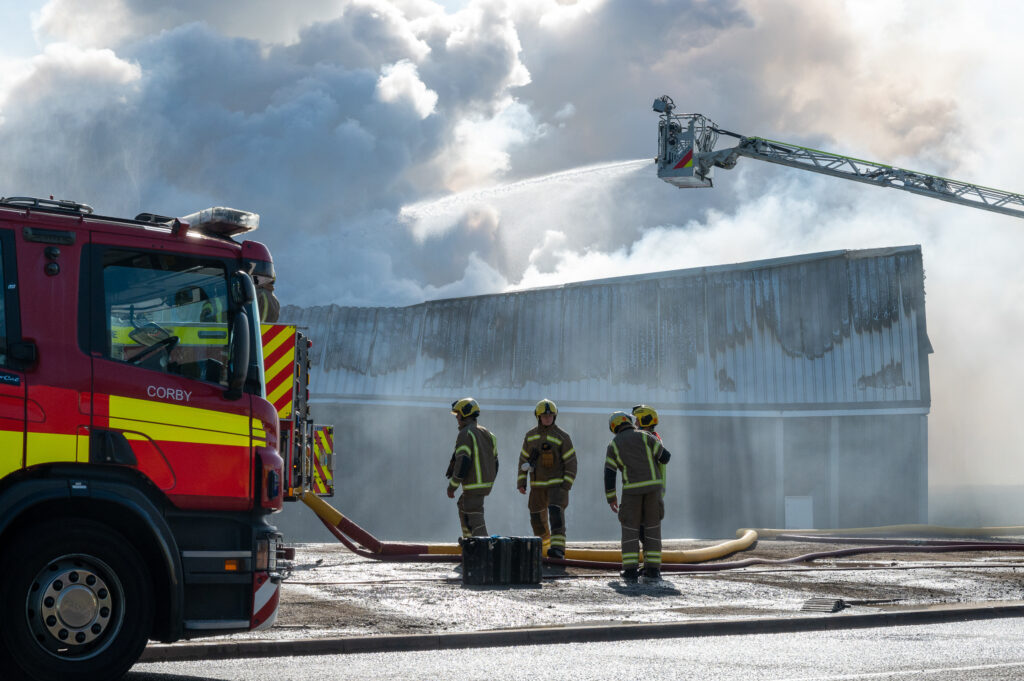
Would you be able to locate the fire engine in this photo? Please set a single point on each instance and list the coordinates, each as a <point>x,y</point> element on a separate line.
<point>139,452</point>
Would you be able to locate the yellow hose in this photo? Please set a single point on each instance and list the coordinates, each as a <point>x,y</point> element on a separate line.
<point>446,549</point>
<point>322,508</point>
<point>744,540</point>
<point>766,533</point>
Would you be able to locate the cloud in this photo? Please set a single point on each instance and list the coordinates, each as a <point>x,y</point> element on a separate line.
<point>479,147</point>
<point>67,102</point>
<point>548,256</point>
<point>113,23</point>
<point>398,152</point>
<point>400,82</point>
<point>364,34</point>
<point>328,134</point>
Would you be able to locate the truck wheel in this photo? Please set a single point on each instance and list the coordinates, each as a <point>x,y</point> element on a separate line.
<point>78,601</point>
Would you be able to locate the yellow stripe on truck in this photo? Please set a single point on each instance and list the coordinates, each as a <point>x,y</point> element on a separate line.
<point>274,342</point>
<point>206,426</point>
<point>283,364</point>
<point>325,457</point>
<point>280,391</point>
<point>11,450</point>
<point>212,333</point>
<point>53,448</point>
<point>166,432</point>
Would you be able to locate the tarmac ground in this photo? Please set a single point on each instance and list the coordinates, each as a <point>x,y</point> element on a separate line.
<point>353,604</point>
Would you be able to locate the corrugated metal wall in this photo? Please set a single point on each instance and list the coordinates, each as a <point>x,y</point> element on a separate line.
<point>726,472</point>
<point>799,377</point>
<point>829,330</point>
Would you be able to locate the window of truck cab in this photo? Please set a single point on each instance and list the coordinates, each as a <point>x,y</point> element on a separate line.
<point>166,312</point>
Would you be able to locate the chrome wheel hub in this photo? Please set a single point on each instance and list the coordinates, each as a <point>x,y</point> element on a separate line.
<point>71,605</point>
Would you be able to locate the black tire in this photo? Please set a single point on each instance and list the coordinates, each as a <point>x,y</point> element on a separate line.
<point>78,603</point>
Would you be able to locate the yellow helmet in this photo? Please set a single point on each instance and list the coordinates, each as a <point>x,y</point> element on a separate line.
<point>466,408</point>
<point>619,419</point>
<point>545,406</point>
<point>646,417</point>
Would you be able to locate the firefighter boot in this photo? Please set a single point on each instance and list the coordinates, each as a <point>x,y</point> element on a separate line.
<point>652,574</point>
<point>630,575</point>
<point>557,515</point>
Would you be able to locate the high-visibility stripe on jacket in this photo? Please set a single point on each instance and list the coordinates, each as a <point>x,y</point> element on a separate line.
<point>547,445</point>
<point>479,446</point>
<point>638,455</point>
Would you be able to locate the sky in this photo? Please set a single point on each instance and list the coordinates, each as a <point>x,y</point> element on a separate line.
<point>405,150</point>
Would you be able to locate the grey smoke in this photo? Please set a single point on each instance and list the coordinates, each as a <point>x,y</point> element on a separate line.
<point>333,117</point>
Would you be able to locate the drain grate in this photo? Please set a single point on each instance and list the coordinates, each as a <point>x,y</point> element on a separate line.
<point>823,604</point>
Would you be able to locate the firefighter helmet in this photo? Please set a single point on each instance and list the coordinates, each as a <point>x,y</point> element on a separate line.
<point>545,406</point>
<point>619,419</point>
<point>645,416</point>
<point>466,408</point>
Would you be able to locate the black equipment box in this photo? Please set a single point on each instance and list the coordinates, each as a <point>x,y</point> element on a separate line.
<point>526,560</point>
<point>501,560</point>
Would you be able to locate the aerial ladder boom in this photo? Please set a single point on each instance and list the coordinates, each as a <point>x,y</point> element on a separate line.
<point>687,158</point>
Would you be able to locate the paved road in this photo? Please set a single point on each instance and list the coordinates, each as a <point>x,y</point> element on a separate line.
<point>980,650</point>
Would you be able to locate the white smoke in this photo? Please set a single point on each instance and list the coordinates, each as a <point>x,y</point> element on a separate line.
<point>402,150</point>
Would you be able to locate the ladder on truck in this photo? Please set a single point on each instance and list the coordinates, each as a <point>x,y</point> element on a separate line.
<point>687,158</point>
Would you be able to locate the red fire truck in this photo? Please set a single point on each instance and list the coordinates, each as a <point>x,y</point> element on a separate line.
<point>139,457</point>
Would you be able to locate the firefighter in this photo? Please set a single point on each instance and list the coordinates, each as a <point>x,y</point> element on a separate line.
<point>646,419</point>
<point>640,457</point>
<point>550,460</point>
<point>269,305</point>
<point>474,465</point>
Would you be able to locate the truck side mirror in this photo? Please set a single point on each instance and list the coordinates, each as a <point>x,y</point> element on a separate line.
<point>243,291</point>
<point>238,364</point>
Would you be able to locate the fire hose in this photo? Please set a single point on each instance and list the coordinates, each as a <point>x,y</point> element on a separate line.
<point>338,524</point>
<point>350,534</point>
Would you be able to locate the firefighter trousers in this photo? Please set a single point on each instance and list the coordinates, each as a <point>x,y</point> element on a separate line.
<point>471,514</point>
<point>547,513</point>
<point>640,517</point>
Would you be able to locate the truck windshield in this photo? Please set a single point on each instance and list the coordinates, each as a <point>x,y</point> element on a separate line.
<point>168,313</point>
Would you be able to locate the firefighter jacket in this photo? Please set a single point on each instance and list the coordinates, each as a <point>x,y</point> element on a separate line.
<point>550,453</point>
<point>474,463</point>
<point>640,457</point>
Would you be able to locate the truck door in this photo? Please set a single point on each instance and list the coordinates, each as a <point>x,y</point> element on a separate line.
<point>54,371</point>
<point>12,380</point>
<point>160,342</point>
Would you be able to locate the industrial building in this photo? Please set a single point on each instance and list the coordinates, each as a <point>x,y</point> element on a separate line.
<point>792,392</point>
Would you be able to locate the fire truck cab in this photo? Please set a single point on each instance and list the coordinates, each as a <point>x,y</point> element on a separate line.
<point>139,455</point>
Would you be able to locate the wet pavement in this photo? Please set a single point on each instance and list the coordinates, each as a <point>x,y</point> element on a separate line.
<point>975,651</point>
<point>331,592</point>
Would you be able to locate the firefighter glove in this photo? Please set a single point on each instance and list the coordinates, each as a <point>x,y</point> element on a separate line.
<point>665,456</point>
<point>451,492</point>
